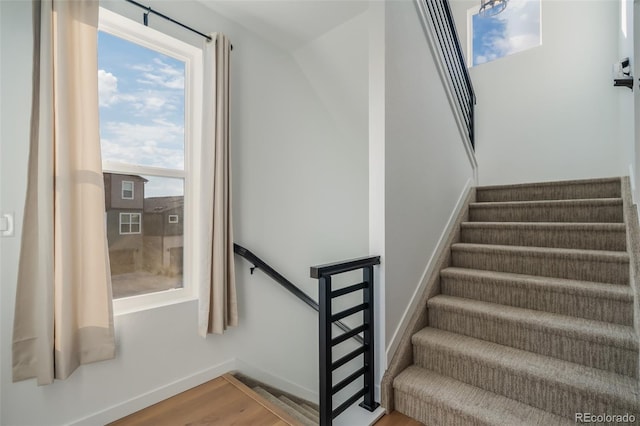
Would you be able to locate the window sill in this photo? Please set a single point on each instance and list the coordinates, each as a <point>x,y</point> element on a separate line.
<point>134,304</point>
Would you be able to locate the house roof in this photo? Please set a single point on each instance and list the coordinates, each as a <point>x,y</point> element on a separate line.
<point>133,177</point>
<point>162,204</point>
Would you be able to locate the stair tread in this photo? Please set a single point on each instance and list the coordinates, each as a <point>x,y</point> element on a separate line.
<point>471,401</point>
<point>537,367</point>
<point>580,328</point>
<point>582,254</point>
<point>614,179</point>
<point>558,285</point>
<point>548,203</point>
<point>577,235</point>
<point>577,226</point>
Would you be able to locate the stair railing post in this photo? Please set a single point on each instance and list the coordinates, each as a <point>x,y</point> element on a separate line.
<point>325,351</point>
<point>369,402</point>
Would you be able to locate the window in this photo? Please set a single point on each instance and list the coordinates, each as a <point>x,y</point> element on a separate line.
<point>150,88</point>
<point>514,30</point>
<point>127,190</point>
<point>130,223</point>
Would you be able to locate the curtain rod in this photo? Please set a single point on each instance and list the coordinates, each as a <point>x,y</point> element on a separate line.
<point>162,15</point>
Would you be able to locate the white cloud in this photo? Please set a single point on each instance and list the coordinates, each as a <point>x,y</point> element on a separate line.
<point>160,144</point>
<point>145,129</point>
<point>154,102</point>
<point>107,88</point>
<point>163,75</point>
<point>522,20</point>
<point>142,67</point>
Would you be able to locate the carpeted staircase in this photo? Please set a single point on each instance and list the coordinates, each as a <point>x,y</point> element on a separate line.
<point>535,317</point>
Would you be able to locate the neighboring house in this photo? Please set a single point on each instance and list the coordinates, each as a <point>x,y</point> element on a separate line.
<point>124,207</point>
<point>163,224</point>
<point>145,234</point>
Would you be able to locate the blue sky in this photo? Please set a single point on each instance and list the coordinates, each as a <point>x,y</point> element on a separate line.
<point>141,94</point>
<point>516,29</point>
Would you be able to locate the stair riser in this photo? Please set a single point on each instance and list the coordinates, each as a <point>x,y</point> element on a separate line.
<point>448,401</point>
<point>546,265</point>
<point>538,340</point>
<point>431,412</point>
<point>553,397</point>
<point>608,213</point>
<point>505,293</point>
<point>609,189</point>
<point>558,238</point>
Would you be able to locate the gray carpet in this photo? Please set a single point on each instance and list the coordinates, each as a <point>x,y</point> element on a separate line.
<point>535,317</point>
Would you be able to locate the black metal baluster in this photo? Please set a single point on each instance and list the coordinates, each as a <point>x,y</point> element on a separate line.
<point>369,356</point>
<point>326,373</point>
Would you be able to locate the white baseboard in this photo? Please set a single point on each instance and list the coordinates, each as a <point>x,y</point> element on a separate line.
<point>152,397</point>
<point>275,381</point>
<point>415,298</point>
<point>632,181</point>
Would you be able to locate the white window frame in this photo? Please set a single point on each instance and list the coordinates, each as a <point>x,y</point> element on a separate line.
<point>131,215</point>
<point>135,32</point>
<point>133,186</point>
<point>174,218</point>
<point>474,11</point>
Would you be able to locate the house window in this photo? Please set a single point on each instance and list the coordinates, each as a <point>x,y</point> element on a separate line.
<point>150,88</point>
<point>127,190</point>
<point>514,30</point>
<point>130,223</point>
<point>173,218</point>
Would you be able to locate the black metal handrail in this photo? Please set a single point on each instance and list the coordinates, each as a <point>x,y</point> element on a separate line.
<point>288,285</point>
<point>327,342</point>
<point>449,43</point>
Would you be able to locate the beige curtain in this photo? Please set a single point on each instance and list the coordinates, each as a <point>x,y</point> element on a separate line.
<point>218,304</point>
<point>63,316</point>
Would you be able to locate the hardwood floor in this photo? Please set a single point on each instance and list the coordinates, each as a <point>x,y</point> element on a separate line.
<point>223,401</point>
<point>397,419</point>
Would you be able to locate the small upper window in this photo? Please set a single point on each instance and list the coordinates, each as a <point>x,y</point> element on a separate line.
<point>173,218</point>
<point>127,190</point>
<point>514,30</point>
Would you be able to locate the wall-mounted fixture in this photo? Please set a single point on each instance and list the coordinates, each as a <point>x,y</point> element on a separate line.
<point>491,7</point>
<point>6,225</point>
<point>622,74</point>
<point>624,82</point>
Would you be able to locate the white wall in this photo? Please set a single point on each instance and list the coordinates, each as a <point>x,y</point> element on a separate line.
<point>552,112</point>
<point>377,233</point>
<point>336,65</point>
<point>633,8</point>
<point>626,103</point>
<point>426,165</point>
<point>300,189</point>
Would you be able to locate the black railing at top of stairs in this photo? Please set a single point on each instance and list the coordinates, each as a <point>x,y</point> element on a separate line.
<point>326,321</point>
<point>450,48</point>
<point>327,342</point>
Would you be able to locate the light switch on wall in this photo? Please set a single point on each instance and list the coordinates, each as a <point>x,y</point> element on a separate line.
<point>6,225</point>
